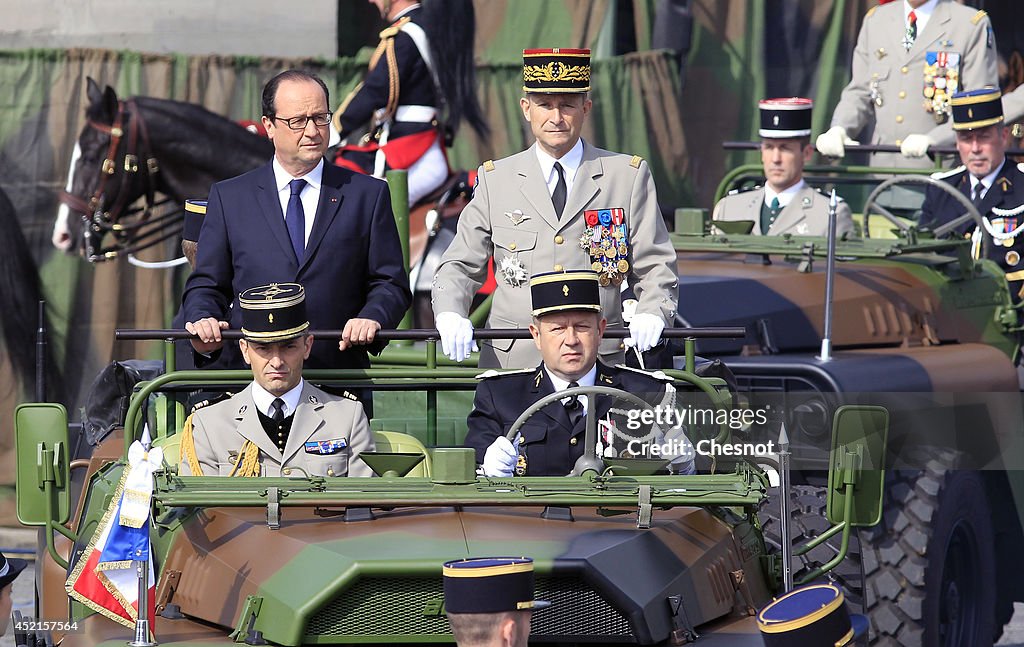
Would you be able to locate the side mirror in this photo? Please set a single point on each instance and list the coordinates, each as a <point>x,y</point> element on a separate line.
<point>857,460</point>
<point>42,474</point>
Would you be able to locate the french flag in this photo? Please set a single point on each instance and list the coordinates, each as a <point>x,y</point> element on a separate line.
<point>104,578</point>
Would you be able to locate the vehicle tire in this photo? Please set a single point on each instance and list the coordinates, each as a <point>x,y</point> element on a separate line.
<point>930,565</point>
<point>808,504</point>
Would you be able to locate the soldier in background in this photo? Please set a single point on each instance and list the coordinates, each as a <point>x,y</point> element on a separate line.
<point>489,600</point>
<point>10,569</point>
<point>786,204</point>
<point>420,86</point>
<point>911,57</point>
<point>563,203</point>
<point>991,181</point>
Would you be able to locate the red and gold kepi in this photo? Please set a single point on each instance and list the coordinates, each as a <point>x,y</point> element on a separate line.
<point>557,70</point>
<point>977,108</point>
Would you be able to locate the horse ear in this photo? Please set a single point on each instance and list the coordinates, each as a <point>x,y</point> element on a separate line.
<point>92,91</point>
<point>110,102</point>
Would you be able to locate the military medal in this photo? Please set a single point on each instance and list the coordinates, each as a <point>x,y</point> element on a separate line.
<point>941,81</point>
<point>512,270</point>
<point>520,469</point>
<point>606,240</point>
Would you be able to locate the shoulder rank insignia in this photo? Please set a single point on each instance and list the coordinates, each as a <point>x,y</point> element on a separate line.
<point>870,11</point>
<point>657,375</point>
<point>978,16</point>
<point>941,175</point>
<point>635,162</point>
<point>489,165</point>
<point>489,373</point>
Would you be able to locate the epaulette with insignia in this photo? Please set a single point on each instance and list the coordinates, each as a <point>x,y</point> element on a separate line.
<point>657,375</point>
<point>349,395</point>
<point>978,16</point>
<point>489,165</point>
<point>635,162</point>
<point>489,373</point>
<point>941,175</point>
<point>205,403</point>
<point>828,196</point>
<point>870,11</point>
<point>744,190</point>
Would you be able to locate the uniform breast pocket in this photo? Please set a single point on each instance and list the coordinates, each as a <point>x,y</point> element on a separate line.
<point>516,245</point>
<point>328,465</point>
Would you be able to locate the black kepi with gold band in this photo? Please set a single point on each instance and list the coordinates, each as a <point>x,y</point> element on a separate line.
<point>274,312</point>
<point>490,585</point>
<point>785,118</point>
<point>564,291</point>
<point>977,108</point>
<point>810,615</point>
<point>195,211</point>
<point>557,70</point>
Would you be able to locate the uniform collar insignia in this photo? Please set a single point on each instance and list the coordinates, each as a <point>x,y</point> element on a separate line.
<point>538,377</point>
<point>243,409</point>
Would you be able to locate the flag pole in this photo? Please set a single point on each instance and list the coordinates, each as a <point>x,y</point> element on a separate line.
<point>142,618</point>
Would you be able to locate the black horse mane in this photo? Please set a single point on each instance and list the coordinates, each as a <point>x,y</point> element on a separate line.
<point>200,141</point>
<point>20,293</point>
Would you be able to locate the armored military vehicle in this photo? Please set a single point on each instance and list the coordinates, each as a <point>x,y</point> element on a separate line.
<point>923,329</point>
<point>626,554</point>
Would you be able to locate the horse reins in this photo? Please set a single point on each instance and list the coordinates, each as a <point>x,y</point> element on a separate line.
<point>100,222</point>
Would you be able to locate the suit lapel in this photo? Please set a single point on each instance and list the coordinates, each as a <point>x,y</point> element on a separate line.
<point>542,386</point>
<point>331,198</point>
<point>270,207</point>
<point>584,186</point>
<point>794,212</point>
<point>248,426</point>
<point>534,188</point>
<point>308,420</point>
<point>934,30</point>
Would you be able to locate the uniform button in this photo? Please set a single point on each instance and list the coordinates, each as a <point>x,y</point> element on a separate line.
<point>903,94</point>
<point>904,69</point>
<point>512,246</point>
<point>287,471</point>
<point>558,268</point>
<point>330,471</point>
<point>573,441</point>
<point>559,240</point>
<point>899,119</point>
<point>622,345</point>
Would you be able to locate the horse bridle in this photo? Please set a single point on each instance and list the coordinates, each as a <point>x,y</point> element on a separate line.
<point>143,232</point>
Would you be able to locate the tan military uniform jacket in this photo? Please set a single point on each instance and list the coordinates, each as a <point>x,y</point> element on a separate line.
<point>512,219</point>
<point>880,57</point>
<point>805,215</point>
<point>220,430</point>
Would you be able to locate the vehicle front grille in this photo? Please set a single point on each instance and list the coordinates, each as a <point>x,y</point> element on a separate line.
<point>380,609</point>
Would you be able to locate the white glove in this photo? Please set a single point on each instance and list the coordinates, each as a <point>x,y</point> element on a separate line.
<point>833,142</point>
<point>456,335</point>
<point>501,457</point>
<point>682,461</point>
<point>645,331</point>
<point>916,145</point>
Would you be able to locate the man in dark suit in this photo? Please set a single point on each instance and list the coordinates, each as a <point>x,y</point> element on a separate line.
<point>567,329</point>
<point>298,220</point>
<point>993,183</point>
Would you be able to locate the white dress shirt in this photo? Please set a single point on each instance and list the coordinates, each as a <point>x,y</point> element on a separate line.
<point>263,399</point>
<point>570,164</point>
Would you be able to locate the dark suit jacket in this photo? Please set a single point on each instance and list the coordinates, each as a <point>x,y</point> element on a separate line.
<point>1007,192</point>
<point>352,266</point>
<point>551,445</point>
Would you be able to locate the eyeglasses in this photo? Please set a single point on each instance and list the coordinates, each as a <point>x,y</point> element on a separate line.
<point>299,123</point>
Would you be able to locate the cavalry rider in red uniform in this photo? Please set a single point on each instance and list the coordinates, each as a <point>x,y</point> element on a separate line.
<point>420,85</point>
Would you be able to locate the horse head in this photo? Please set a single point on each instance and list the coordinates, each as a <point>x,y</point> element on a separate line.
<point>112,167</point>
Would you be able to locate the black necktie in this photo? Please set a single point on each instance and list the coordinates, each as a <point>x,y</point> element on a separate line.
<point>277,410</point>
<point>978,189</point>
<point>558,196</point>
<point>574,407</point>
<point>295,220</point>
